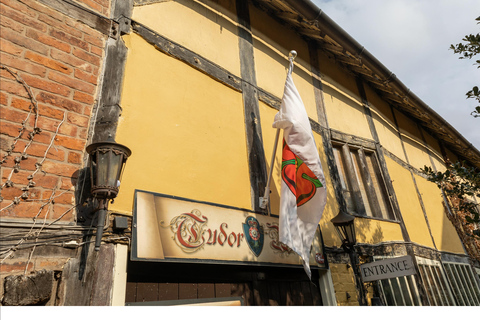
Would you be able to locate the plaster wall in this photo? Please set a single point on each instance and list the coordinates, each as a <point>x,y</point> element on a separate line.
<point>409,204</point>
<point>186,132</point>
<point>272,43</point>
<point>202,29</point>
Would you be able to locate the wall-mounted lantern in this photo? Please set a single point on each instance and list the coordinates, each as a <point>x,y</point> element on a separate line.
<point>107,161</point>
<point>345,227</point>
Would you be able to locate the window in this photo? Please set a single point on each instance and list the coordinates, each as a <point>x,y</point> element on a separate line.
<point>464,283</point>
<point>436,286</point>
<point>400,291</point>
<point>362,183</point>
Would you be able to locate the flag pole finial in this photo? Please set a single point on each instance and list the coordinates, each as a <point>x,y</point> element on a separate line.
<point>292,55</point>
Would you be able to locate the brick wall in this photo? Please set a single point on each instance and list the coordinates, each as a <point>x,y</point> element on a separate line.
<point>50,66</point>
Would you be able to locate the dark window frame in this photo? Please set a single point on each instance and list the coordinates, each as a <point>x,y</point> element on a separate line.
<point>365,192</point>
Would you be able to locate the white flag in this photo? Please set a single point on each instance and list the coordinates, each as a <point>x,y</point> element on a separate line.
<point>303,195</point>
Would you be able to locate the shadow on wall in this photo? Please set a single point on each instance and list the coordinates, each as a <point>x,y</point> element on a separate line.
<point>368,231</point>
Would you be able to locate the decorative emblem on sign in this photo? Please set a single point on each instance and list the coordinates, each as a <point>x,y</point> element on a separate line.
<point>275,244</point>
<point>188,229</point>
<point>254,235</point>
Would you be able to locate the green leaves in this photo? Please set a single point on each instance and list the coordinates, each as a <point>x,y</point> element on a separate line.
<point>459,181</point>
<point>468,50</point>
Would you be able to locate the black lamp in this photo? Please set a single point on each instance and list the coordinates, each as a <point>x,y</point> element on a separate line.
<point>107,161</point>
<point>345,227</point>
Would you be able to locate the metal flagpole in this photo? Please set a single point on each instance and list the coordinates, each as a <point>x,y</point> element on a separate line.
<point>264,200</point>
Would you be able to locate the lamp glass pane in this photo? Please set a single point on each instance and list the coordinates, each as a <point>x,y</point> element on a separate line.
<point>102,168</point>
<point>114,169</point>
<point>350,233</point>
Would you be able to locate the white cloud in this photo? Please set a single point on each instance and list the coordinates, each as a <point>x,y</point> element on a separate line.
<point>412,39</point>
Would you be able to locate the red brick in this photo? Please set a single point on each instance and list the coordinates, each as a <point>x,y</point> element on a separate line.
<point>75,157</point>
<point>93,59</point>
<point>17,6</point>
<point>8,47</point>
<point>9,23</point>
<point>79,120</point>
<point>88,110</point>
<point>41,180</point>
<point>22,104</point>
<point>12,192</point>
<point>75,41</point>
<point>3,98</point>
<point>79,74</point>
<point>63,212</point>
<point>96,50</point>
<point>71,60</point>
<point>10,129</point>
<point>50,112</point>
<point>61,169</point>
<point>60,196</point>
<point>18,266</point>
<point>14,115</point>
<point>71,82</point>
<point>57,101</point>
<point>49,41</point>
<point>24,42</point>
<point>49,86</point>
<point>14,88</point>
<point>83,97</point>
<point>22,65</point>
<point>92,4</point>
<point>47,62</point>
<point>67,184</point>
<point>24,210</point>
<point>38,150</point>
<point>70,143</point>
<point>43,137</point>
<point>27,164</point>
<point>56,264</point>
<point>96,41</point>
<point>22,18</point>
<point>59,25</point>
<point>83,133</point>
<point>42,8</point>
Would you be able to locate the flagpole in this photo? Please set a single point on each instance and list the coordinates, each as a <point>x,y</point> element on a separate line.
<point>264,200</point>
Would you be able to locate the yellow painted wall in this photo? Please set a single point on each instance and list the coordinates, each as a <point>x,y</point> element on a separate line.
<point>272,43</point>
<point>344,282</point>
<point>343,106</point>
<point>412,140</point>
<point>202,28</point>
<point>186,132</point>
<point>435,151</point>
<point>373,231</point>
<point>384,123</point>
<point>444,234</point>
<point>409,203</point>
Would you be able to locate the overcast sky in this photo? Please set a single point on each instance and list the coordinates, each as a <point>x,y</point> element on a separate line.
<point>412,38</point>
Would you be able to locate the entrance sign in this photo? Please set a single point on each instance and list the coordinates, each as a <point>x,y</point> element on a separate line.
<point>387,268</point>
<point>168,228</point>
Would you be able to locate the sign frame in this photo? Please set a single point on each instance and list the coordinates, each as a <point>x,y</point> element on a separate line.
<point>134,256</point>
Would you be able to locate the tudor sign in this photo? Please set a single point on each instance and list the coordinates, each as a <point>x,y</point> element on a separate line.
<point>387,268</point>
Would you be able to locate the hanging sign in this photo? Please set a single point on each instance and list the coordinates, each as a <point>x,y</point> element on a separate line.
<point>167,228</point>
<point>387,268</point>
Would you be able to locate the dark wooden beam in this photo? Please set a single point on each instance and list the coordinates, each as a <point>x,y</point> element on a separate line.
<point>189,57</point>
<point>256,154</point>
